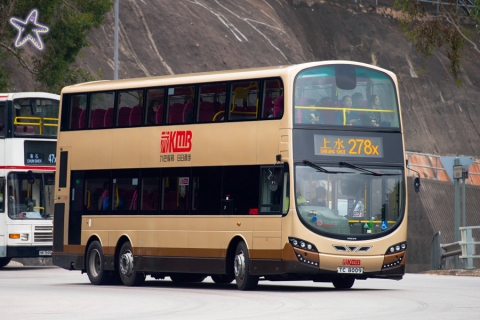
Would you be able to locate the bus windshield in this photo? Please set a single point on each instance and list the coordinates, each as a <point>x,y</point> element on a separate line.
<point>30,195</point>
<point>345,95</point>
<point>35,116</point>
<point>349,200</point>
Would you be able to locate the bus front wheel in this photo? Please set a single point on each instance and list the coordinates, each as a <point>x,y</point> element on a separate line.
<point>343,283</point>
<point>4,262</point>
<point>126,267</point>
<point>241,263</point>
<point>96,274</point>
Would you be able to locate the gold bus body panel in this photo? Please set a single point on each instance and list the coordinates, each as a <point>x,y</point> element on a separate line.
<point>186,236</point>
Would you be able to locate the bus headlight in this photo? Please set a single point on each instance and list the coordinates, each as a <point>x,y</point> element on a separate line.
<point>302,244</point>
<point>396,248</point>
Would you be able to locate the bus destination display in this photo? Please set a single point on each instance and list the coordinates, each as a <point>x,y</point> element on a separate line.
<point>40,153</point>
<point>348,146</point>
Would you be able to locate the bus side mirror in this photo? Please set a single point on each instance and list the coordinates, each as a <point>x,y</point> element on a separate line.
<point>416,184</point>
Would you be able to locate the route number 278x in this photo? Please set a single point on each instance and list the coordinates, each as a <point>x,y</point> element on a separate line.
<point>362,146</point>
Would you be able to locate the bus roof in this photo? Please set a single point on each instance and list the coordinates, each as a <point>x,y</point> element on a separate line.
<point>19,95</point>
<point>212,76</point>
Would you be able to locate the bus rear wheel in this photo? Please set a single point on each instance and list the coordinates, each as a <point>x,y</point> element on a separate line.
<point>4,262</point>
<point>222,278</point>
<point>126,267</point>
<point>96,274</point>
<point>343,283</point>
<point>241,264</point>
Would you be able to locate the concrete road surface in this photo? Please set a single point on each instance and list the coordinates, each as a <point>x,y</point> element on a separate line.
<point>53,293</point>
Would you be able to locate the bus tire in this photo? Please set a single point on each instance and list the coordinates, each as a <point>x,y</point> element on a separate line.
<point>343,283</point>
<point>4,262</point>
<point>95,271</point>
<point>241,263</point>
<point>126,267</point>
<point>222,278</point>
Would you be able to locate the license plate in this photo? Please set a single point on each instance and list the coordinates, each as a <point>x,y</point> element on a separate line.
<point>45,253</point>
<point>349,270</point>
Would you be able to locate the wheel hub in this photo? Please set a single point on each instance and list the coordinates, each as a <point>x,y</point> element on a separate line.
<point>239,265</point>
<point>95,262</point>
<point>126,263</point>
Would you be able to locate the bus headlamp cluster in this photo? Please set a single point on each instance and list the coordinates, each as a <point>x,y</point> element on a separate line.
<point>399,247</point>
<point>21,236</point>
<point>302,244</point>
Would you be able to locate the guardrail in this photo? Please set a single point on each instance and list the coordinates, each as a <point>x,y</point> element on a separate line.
<point>468,244</point>
<point>464,249</point>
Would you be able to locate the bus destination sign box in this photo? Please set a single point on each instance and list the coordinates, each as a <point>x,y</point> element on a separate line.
<point>329,145</point>
<point>40,153</point>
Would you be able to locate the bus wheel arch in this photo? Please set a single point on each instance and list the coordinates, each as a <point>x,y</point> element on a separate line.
<point>126,266</point>
<point>229,275</point>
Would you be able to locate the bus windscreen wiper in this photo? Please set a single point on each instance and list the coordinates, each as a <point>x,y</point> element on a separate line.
<point>318,168</point>
<point>351,166</point>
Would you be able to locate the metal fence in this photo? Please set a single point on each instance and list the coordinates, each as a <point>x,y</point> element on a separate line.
<point>442,256</point>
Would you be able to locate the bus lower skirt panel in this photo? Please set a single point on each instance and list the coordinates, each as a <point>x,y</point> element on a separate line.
<point>69,261</point>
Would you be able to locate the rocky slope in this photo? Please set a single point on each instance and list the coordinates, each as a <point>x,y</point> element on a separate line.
<point>159,37</point>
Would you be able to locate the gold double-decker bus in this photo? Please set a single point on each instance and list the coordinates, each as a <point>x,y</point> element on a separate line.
<point>280,173</point>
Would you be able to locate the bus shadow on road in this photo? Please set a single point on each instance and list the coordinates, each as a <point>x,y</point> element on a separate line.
<point>263,286</point>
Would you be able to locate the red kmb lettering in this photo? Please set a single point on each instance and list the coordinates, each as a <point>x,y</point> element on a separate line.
<point>351,262</point>
<point>176,141</point>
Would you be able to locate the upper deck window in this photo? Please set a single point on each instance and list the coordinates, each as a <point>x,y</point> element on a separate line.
<point>345,95</point>
<point>101,109</point>
<point>35,116</point>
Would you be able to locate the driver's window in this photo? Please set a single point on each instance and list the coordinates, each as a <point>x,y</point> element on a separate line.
<point>272,191</point>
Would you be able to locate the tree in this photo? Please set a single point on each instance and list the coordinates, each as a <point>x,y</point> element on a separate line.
<point>69,22</point>
<point>445,29</point>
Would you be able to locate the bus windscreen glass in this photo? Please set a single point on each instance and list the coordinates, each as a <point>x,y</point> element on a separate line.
<point>349,201</point>
<point>30,195</point>
<point>345,95</point>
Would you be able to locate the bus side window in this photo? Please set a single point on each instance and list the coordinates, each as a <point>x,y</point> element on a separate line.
<point>212,95</point>
<point>244,97</point>
<point>99,103</point>
<point>272,103</point>
<point>206,190</point>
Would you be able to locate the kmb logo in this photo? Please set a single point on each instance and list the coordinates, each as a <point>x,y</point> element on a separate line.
<point>351,262</point>
<point>176,141</point>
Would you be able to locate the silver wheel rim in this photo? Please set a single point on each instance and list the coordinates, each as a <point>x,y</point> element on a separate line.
<point>95,263</point>
<point>126,263</point>
<point>239,265</point>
